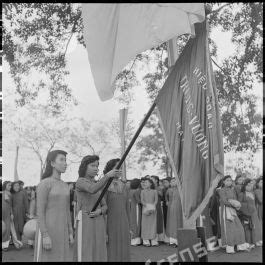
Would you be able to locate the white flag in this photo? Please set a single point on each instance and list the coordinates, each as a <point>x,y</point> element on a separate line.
<point>115,33</point>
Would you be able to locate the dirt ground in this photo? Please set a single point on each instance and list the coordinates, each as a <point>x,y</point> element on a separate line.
<point>142,254</point>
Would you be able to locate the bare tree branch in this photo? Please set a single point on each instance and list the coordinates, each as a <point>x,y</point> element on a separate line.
<point>219,9</point>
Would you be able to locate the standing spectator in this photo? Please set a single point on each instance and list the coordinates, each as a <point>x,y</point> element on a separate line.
<point>19,207</point>
<point>251,222</point>
<point>174,213</point>
<point>231,228</point>
<point>135,212</point>
<point>238,184</point>
<point>214,207</point>
<point>166,184</point>
<point>32,210</point>
<point>118,212</point>
<point>32,204</point>
<point>149,198</point>
<point>159,213</point>
<point>54,229</point>
<point>258,198</point>
<point>24,191</point>
<point>7,215</point>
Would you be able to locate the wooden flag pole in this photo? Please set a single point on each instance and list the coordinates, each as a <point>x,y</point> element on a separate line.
<point>125,154</point>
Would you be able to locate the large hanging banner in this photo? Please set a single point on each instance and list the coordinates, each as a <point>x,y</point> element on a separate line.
<point>190,120</point>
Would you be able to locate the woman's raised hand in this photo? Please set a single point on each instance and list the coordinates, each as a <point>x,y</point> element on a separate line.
<point>114,173</point>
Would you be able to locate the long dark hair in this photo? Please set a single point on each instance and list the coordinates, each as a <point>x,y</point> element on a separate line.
<point>51,158</point>
<point>246,182</point>
<point>85,161</point>
<point>135,183</point>
<point>156,178</point>
<point>5,184</point>
<point>224,178</point>
<point>151,182</point>
<point>110,165</point>
<point>237,177</point>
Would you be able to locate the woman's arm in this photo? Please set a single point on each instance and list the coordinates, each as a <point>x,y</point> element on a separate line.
<point>156,197</point>
<point>142,198</point>
<point>258,196</point>
<point>43,190</point>
<point>167,196</point>
<point>83,185</point>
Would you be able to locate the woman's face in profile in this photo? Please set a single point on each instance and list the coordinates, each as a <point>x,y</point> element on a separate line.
<point>8,186</point>
<point>60,163</point>
<point>92,169</point>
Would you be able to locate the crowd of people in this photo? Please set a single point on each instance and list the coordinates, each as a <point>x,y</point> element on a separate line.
<point>236,213</point>
<point>135,212</point>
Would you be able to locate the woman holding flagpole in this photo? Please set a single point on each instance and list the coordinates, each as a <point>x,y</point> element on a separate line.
<point>54,233</point>
<point>118,225</point>
<point>90,236</point>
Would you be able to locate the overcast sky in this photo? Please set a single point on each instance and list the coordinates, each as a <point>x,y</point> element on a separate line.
<point>91,108</point>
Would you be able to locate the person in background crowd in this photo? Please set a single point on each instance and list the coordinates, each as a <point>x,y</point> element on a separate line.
<point>32,209</point>
<point>118,212</point>
<point>90,235</point>
<point>149,199</point>
<point>128,184</point>
<point>33,204</point>
<point>238,184</point>
<point>159,212</point>
<point>214,208</point>
<point>28,191</point>
<point>259,198</point>
<point>232,230</point>
<point>7,214</point>
<point>54,233</point>
<point>166,184</point>
<point>24,191</point>
<point>71,186</point>
<point>174,214</point>
<point>249,214</point>
<point>19,208</point>
<point>161,184</point>
<point>135,212</point>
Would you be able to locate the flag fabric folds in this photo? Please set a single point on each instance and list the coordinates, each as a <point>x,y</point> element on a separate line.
<point>189,116</point>
<point>115,33</point>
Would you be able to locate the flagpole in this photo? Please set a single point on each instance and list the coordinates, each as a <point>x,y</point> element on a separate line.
<point>125,153</point>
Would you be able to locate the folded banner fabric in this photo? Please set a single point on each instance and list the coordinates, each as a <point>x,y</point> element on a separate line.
<point>189,116</point>
<point>115,33</point>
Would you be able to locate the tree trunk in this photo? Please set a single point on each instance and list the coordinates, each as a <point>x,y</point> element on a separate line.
<point>41,169</point>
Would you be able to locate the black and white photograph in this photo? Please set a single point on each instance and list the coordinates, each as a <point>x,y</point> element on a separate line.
<point>132,132</point>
